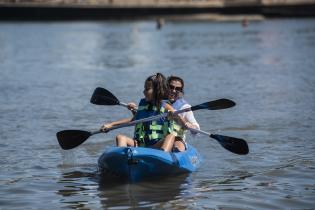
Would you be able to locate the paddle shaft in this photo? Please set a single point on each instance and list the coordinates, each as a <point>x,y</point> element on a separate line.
<point>199,131</point>
<point>158,117</point>
<point>148,119</point>
<point>123,104</point>
<point>96,132</point>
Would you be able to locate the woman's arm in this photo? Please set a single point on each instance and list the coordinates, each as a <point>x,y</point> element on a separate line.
<point>177,117</point>
<point>119,122</point>
<point>189,117</point>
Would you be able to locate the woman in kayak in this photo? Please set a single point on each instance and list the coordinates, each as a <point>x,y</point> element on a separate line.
<point>182,121</point>
<point>148,134</point>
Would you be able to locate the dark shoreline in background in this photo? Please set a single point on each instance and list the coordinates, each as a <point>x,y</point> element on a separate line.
<point>74,12</point>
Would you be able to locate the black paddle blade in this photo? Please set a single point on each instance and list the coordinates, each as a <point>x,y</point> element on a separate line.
<point>215,105</point>
<point>102,96</point>
<point>69,139</point>
<point>235,145</point>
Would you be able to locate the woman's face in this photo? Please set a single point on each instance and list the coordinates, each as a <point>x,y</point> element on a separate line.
<point>175,88</point>
<point>148,91</point>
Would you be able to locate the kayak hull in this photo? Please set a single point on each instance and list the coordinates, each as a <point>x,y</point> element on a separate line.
<point>138,163</point>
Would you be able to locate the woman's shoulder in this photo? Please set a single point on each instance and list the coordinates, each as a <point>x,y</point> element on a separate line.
<point>181,103</point>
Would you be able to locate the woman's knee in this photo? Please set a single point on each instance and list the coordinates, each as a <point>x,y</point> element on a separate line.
<point>179,145</point>
<point>120,138</point>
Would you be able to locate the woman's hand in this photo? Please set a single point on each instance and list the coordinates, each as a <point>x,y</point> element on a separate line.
<point>190,125</point>
<point>132,107</point>
<point>172,116</point>
<point>105,127</point>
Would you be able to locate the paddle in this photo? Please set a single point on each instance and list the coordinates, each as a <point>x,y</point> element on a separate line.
<point>69,139</point>
<point>102,96</point>
<point>232,144</point>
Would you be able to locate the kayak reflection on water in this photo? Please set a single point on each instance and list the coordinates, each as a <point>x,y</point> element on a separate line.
<point>110,192</point>
<point>144,194</point>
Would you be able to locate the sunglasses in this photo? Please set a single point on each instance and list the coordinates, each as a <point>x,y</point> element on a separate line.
<point>178,89</point>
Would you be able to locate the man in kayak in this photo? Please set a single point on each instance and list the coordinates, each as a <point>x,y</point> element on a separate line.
<point>182,121</point>
<point>148,134</point>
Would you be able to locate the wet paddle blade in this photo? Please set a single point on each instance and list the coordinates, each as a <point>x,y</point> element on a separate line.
<point>235,145</point>
<point>69,139</point>
<point>102,96</point>
<point>215,105</point>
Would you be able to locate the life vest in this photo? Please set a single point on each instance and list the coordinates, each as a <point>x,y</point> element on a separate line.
<point>175,128</point>
<point>149,133</point>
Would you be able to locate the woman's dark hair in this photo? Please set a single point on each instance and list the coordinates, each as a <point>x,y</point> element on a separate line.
<point>159,87</point>
<point>175,78</point>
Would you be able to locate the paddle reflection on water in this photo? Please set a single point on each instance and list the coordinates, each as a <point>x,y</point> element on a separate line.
<point>74,190</point>
<point>113,193</point>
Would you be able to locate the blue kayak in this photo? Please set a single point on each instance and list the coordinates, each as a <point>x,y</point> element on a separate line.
<point>138,163</point>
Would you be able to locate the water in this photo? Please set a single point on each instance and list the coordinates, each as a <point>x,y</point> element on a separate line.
<point>48,71</point>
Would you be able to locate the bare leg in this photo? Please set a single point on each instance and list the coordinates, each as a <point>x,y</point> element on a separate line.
<point>179,144</point>
<point>124,141</point>
<point>166,144</point>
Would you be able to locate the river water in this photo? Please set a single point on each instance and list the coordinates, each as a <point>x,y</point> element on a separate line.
<point>48,71</point>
